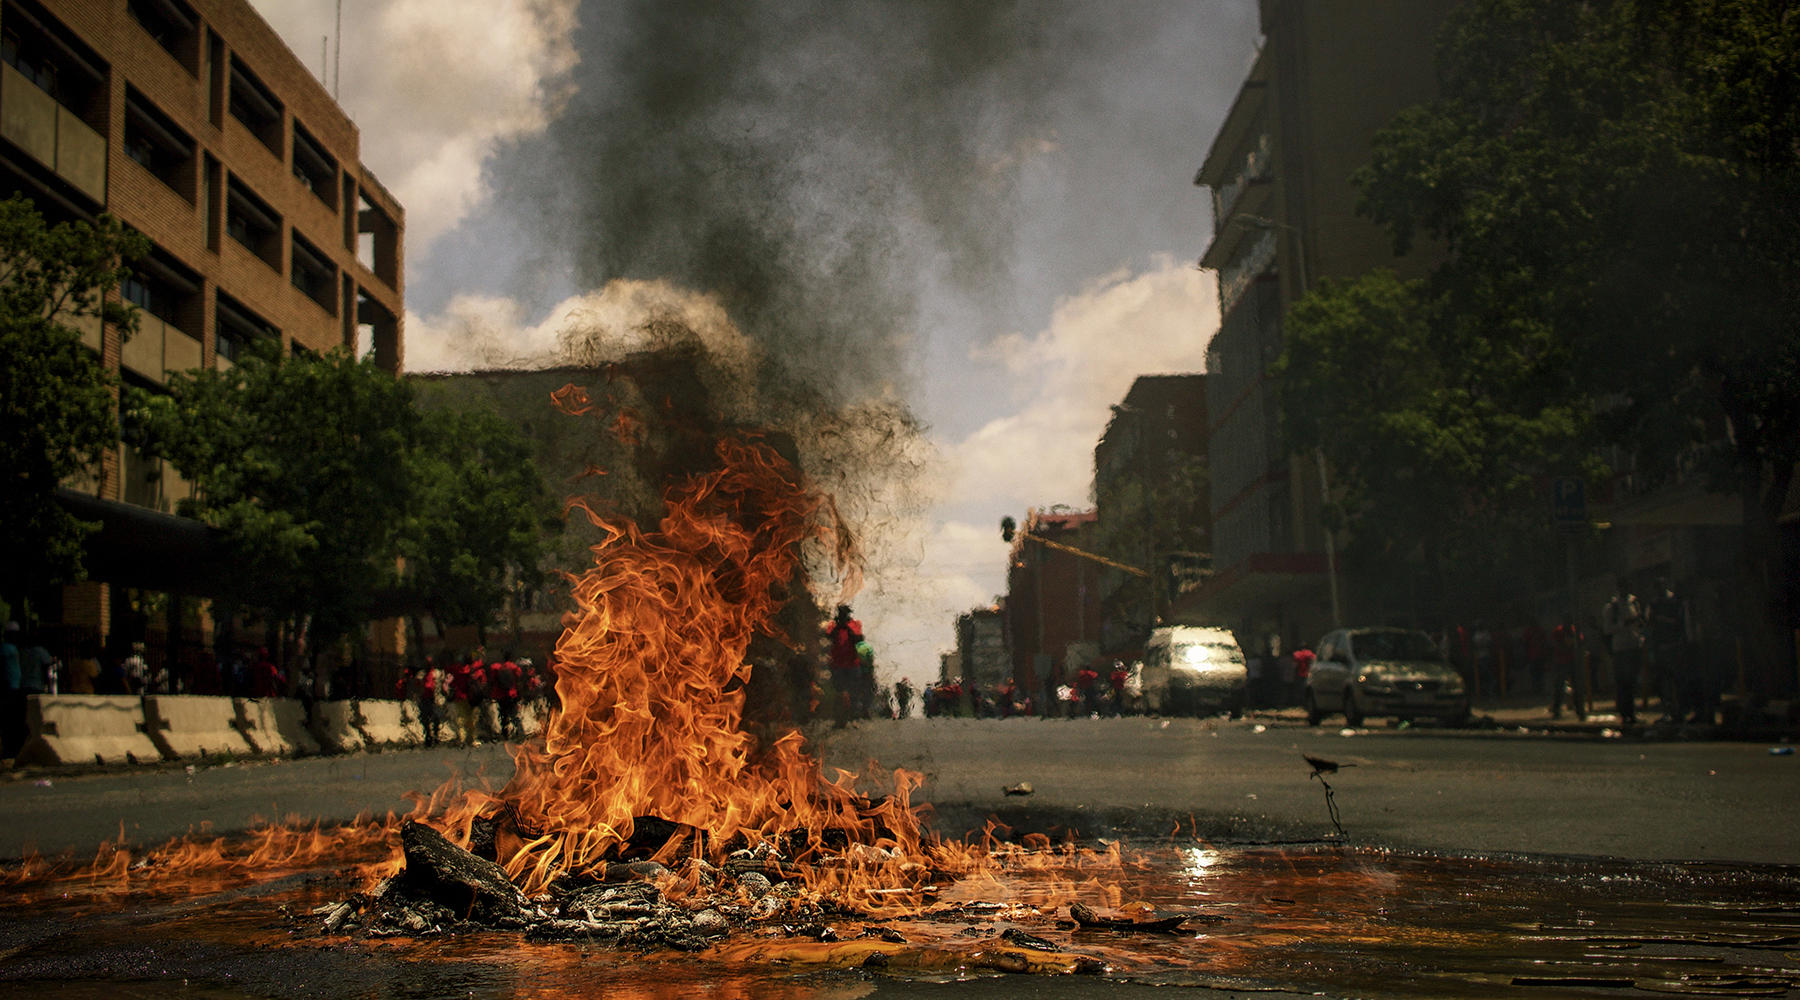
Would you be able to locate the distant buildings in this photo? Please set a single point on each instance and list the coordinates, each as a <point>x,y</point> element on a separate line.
<point>194,124</point>
<point>1052,600</point>
<point>1151,505</point>
<point>1328,77</point>
<point>981,656</point>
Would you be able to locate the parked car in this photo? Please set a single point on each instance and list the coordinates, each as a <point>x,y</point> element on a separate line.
<point>1193,671</point>
<point>1376,672</point>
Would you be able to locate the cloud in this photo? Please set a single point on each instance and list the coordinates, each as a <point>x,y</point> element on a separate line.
<point>1063,379</point>
<point>436,85</point>
<point>914,598</point>
<point>1066,377</point>
<point>490,331</point>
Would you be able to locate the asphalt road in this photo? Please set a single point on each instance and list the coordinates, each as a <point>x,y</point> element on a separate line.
<point>1458,791</point>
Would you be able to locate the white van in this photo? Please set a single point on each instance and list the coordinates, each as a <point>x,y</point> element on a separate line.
<point>1193,671</point>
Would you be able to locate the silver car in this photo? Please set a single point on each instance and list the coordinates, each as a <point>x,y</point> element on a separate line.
<point>1193,671</point>
<point>1395,672</point>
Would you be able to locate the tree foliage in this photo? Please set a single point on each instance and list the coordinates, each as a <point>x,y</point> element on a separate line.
<point>57,412</point>
<point>476,532</point>
<point>1615,184</point>
<point>302,462</point>
<point>332,485</point>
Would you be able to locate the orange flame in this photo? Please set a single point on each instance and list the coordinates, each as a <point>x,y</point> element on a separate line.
<point>651,671</point>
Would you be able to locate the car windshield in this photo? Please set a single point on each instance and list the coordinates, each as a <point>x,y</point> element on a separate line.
<point>1394,646</point>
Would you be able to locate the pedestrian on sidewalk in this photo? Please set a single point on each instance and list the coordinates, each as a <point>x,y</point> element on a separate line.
<point>505,680</point>
<point>1622,619</point>
<point>1565,672</point>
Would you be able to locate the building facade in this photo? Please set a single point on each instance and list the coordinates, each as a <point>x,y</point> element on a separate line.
<point>1151,504</point>
<point>1052,602</point>
<point>195,125</point>
<point>1329,76</point>
<point>981,656</point>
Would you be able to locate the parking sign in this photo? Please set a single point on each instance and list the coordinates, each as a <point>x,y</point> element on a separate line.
<point>1568,503</point>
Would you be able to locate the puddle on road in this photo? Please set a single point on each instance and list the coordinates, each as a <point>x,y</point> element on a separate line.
<point>1336,921</point>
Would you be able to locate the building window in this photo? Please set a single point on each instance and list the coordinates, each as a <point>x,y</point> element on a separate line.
<point>314,274</point>
<point>255,106</point>
<point>155,143</point>
<point>165,288</point>
<point>250,221</point>
<point>54,60</point>
<point>237,328</point>
<point>174,26</point>
<point>315,169</point>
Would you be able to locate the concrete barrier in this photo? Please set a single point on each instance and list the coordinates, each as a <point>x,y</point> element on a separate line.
<point>191,725</point>
<point>391,723</point>
<point>86,729</point>
<point>333,724</point>
<point>275,726</point>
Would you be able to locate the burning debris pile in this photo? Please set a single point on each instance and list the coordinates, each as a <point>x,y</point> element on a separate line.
<point>651,817</point>
<point>753,895</point>
<point>628,904</point>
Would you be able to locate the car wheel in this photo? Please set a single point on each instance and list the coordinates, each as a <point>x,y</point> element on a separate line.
<point>1353,713</point>
<point>1313,715</point>
<point>1458,718</point>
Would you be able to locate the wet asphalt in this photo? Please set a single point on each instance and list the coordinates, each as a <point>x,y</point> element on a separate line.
<point>1453,791</point>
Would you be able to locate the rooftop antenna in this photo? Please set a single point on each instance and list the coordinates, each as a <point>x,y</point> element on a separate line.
<point>337,61</point>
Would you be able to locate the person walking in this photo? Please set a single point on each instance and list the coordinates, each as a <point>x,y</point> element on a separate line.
<point>903,698</point>
<point>1622,619</point>
<point>843,635</point>
<point>1565,669</point>
<point>505,680</point>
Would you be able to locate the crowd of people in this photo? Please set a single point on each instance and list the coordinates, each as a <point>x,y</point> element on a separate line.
<point>462,699</point>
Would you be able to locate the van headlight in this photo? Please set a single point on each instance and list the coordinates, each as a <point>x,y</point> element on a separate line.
<point>1453,686</point>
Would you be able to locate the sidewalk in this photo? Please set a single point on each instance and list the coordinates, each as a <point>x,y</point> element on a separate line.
<point>1530,715</point>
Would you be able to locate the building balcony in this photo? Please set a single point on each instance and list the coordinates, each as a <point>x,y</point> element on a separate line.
<point>52,134</point>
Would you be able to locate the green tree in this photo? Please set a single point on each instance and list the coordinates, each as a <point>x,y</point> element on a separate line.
<point>475,536</point>
<point>58,418</point>
<point>1616,184</point>
<point>303,463</point>
<point>1436,430</point>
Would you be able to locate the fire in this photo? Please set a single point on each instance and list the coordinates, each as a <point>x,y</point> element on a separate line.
<point>651,674</point>
<point>651,669</point>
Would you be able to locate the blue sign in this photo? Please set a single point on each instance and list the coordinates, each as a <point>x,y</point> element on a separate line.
<point>1568,502</point>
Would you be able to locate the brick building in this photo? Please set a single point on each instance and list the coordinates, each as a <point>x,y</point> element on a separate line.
<point>1150,491</point>
<point>194,124</point>
<point>1052,602</point>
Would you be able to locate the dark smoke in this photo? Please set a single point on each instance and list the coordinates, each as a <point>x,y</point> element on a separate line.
<point>806,162</point>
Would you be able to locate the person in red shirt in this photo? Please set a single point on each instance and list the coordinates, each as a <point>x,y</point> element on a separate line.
<point>1303,661</point>
<point>1117,679</point>
<point>1087,686</point>
<point>504,682</point>
<point>464,700</point>
<point>846,666</point>
<point>1565,670</point>
<point>266,679</point>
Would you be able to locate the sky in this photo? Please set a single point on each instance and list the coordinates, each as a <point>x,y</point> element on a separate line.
<point>984,212</point>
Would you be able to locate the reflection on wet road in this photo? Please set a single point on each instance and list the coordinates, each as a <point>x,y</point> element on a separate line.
<point>1335,921</point>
